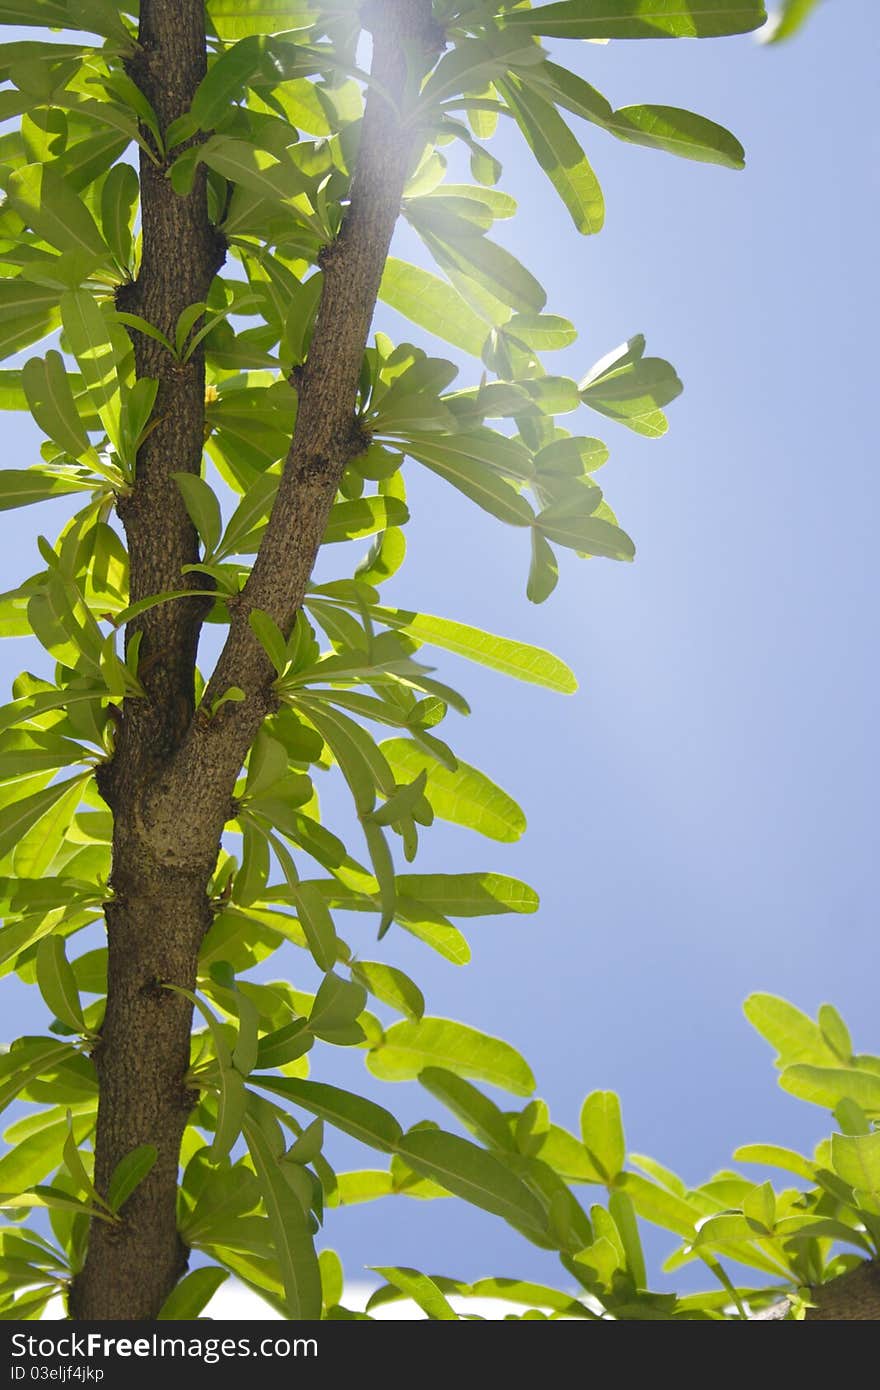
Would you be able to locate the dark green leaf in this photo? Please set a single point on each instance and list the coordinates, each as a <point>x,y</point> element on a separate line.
<point>129,1173</point>
<point>363,1119</point>
<point>292,1242</point>
<point>471,1173</point>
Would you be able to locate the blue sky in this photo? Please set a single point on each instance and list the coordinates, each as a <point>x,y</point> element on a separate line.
<point>702,817</point>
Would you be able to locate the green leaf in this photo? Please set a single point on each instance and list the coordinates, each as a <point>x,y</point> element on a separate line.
<point>422,1290</point>
<point>203,509</point>
<point>390,985</point>
<point>856,1159</point>
<point>254,169</point>
<point>89,336</point>
<point>789,19</point>
<point>29,1058</point>
<point>433,304</point>
<point>332,1277</point>
<point>567,89</point>
<point>630,388</point>
<point>251,511</point>
<point>119,197</point>
<point>835,1032</point>
<point>794,1035</point>
<point>285,1044</point>
<point>93,16</point>
<point>408,1048</point>
<point>129,1173</point>
<point>149,330</point>
<point>474,479</point>
<point>517,659</point>
<point>678,132</point>
<point>483,446</point>
<point>335,1009</point>
<point>828,1086</point>
<point>75,1166</point>
<point>659,1206</point>
<point>231,1107</point>
<point>50,401</point>
<point>37,1153</point>
<point>403,804</point>
<point>602,1131</point>
<point>469,1172</point>
<point>774,1156</point>
<point>18,333</point>
<point>349,746</point>
<point>270,637</point>
<point>579,530</point>
<point>245,1051</point>
<point>543,569</point>
<point>621,1208</point>
<point>640,19</point>
<point>55,1198</point>
<point>465,797</point>
<point>365,1185</point>
<point>491,268</point>
<point>21,487</point>
<point>48,204</point>
<point>308,1146</point>
<point>235,19</point>
<point>224,85</point>
<point>363,516</point>
<point>541,332</point>
<point>558,153</point>
<point>317,923</point>
<point>292,1243</point>
<point>57,983</point>
<point>36,850</point>
<point>192,1294</point>
<point>476,1111</point>
<point>355,1115</point>
<point>468,895</point>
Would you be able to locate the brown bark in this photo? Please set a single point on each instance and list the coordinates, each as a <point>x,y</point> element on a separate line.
<point>171,779</point>
<point>853,1297</point>
<point>158,914</point>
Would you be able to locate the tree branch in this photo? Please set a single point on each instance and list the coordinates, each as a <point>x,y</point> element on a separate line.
<point>324,440</point>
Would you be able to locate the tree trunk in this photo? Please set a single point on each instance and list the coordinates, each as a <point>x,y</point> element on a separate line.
<point>158,912</point>
<point>171,779</point>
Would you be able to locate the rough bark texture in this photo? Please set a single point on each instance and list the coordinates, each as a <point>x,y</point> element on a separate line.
<point>853,1297</point>
<point>158,913</point>
<point>171,780</point>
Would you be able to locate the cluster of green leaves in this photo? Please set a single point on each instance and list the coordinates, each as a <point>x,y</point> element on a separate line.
<point>825,1222</point>
<point>280,112</point>
<point>248,1214</point>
